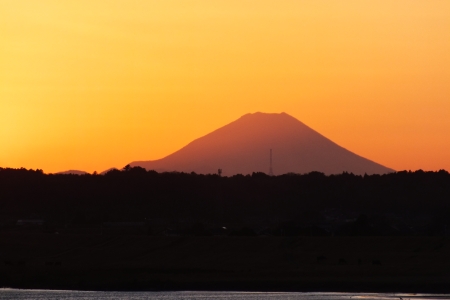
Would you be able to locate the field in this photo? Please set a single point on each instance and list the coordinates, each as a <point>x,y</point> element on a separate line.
<point>140,262</point>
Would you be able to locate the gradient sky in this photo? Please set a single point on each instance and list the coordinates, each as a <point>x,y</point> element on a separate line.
<point>94,84</point>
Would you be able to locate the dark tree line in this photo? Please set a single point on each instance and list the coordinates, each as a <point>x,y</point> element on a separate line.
<point>134,194</point>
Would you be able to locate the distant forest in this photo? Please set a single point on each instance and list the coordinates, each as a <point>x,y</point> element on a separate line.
<point>401,203</point>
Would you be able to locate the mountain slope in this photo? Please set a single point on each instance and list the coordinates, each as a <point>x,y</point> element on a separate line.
<point>243,147</point>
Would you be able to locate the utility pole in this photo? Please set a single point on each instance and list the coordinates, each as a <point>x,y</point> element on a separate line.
<point>270,169</point>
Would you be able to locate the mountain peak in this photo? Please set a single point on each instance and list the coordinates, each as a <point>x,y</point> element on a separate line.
<point>243,147</point>
<point>259,114</point>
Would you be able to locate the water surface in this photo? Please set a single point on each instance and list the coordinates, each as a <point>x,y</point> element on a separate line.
<point>81,295</point>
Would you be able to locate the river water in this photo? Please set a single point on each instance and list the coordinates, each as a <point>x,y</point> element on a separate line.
<point>81,295</point>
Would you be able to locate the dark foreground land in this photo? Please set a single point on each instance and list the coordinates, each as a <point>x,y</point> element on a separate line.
<point>133,229</point>
<point>141,262</point>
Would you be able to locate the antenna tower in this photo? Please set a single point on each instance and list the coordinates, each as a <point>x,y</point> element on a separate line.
<point>270,169</point>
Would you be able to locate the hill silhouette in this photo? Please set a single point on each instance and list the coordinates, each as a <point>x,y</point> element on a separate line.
<point>243,147</point>
<point>72,172</point>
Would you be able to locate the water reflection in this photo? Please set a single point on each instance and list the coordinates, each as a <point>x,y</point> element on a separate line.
<point>81,295</point>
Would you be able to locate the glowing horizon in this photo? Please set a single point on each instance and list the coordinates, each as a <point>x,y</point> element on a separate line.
<point>91,85</point>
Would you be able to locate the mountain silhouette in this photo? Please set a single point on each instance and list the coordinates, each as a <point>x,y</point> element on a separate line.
<point>108,170</point>
<point>72,172</point>
<point>243,147</point>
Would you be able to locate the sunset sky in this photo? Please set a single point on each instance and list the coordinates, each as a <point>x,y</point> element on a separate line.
<point>94,84</point>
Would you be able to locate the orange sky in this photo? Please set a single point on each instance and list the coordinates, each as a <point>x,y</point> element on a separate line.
<point>94,84</point>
